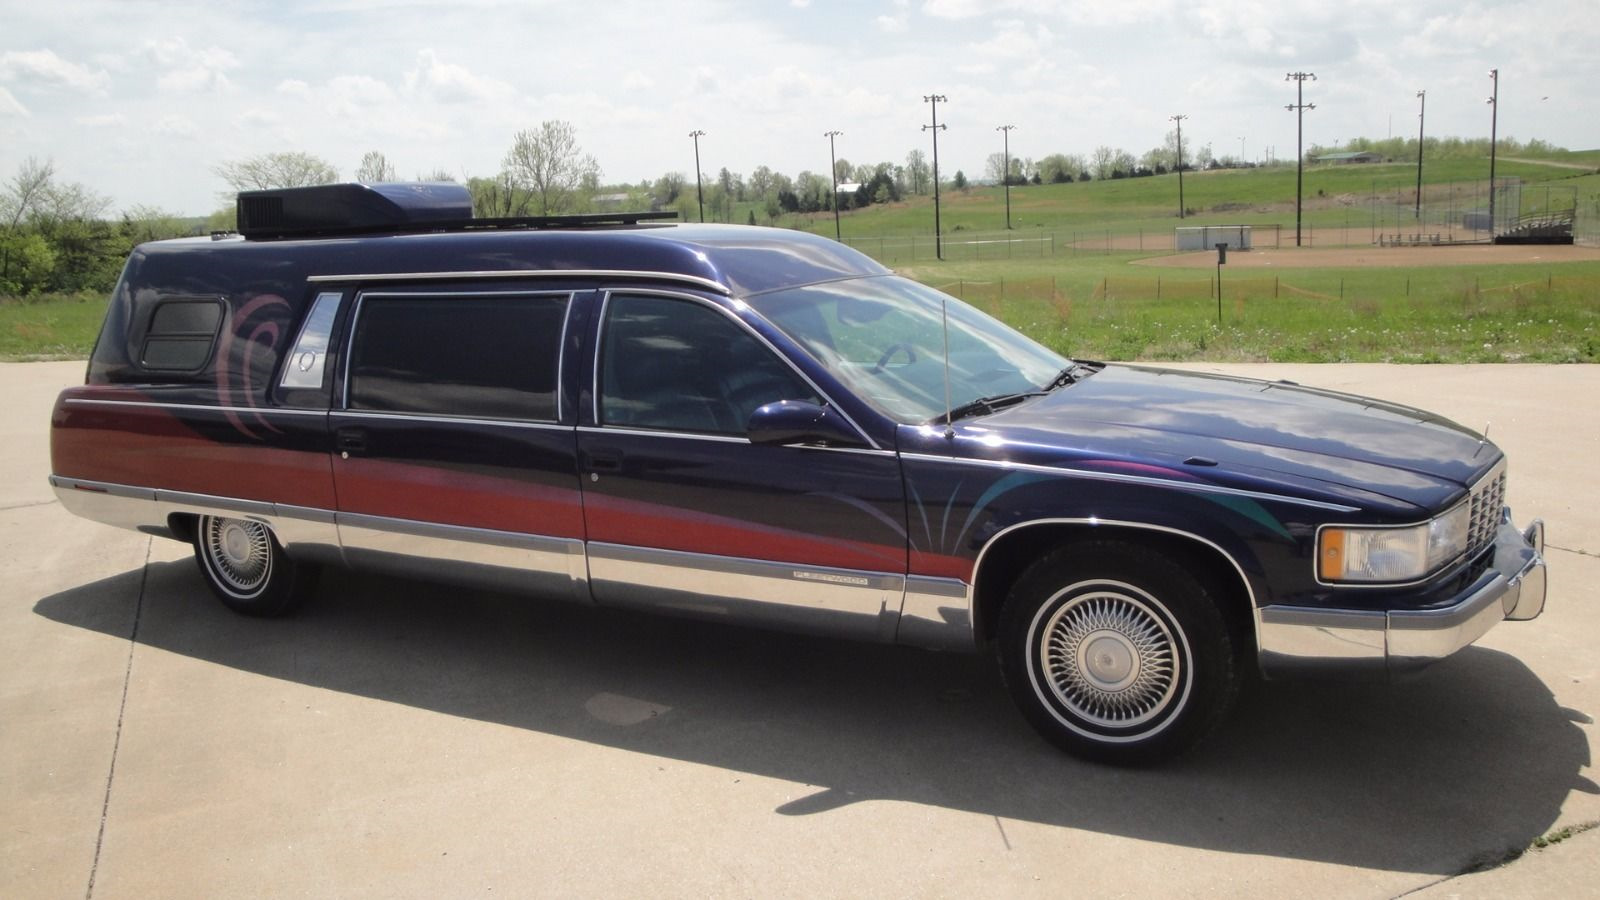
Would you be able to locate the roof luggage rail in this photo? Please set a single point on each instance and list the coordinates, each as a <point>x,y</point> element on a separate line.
<point>399,207</point>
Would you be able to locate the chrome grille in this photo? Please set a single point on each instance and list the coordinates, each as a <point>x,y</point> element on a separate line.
<point>1488,499</point>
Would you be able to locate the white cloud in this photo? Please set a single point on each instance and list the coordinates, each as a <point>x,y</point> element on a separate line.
<point>895,24</point>
<point>11,106</point>
<point>445,82</point>
<point>294,87</point>
<point>637,81</point>
<point>110,120</point>
<point>190,70</point>
<point>47,69</point>
<point>176,126</point>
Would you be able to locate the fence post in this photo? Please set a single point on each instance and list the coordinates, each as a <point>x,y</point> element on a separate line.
<point>1158,287</point>
<point>1341,288</point>
<point>1275,287</point>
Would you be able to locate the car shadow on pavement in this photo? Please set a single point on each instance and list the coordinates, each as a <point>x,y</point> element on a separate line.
<point>1434,775</point>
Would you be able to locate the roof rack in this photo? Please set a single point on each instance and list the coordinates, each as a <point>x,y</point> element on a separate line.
<point>400,207</point>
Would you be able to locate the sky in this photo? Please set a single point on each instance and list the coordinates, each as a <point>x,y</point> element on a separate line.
<point>141,100</point>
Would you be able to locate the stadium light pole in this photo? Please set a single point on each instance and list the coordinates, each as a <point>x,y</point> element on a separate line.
<point>699,195</point>
<point>1494,116</point>
<point>1299,108</point>
<point>833,169</point>
<point>938,237</point>
<point>1422,112</point>
<point>1005,176</point>
<point>1179,120</point>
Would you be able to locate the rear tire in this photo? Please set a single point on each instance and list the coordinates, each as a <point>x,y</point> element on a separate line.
<point>1116,653</point>
<point>245,567</point>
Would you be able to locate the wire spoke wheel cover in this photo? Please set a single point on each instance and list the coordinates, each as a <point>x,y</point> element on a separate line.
<point>1108,657</point>
<point>238,553</point>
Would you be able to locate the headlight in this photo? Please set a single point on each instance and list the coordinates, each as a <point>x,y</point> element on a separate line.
<point>1380,555</point>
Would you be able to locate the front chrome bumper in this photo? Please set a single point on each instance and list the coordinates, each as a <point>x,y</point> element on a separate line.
<point>1298,640</point>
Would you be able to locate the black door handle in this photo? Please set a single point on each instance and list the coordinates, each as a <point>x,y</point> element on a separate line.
<point>350,440</point>
<point>605,459</point>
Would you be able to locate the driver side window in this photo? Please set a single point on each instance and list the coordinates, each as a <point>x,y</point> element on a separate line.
<point>677,365</point>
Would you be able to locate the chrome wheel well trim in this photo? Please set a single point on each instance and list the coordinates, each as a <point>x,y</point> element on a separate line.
<point>1095,522</point>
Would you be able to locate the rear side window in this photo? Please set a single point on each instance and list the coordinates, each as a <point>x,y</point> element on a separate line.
<point>181,335</point>
<point>465,356</point>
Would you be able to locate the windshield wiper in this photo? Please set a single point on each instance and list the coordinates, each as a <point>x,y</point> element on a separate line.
<point>985,406</point>
<point>1072,374</point>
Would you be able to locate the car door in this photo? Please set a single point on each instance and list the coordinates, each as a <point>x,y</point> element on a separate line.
<point>453,440</point>
<point>684,513</point>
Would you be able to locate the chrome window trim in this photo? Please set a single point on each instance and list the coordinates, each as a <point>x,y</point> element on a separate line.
<point>203,407</point>
<point>1131,479</point>
<point>315,338</point>
<point>455,420</point>
<point>738,322</point>
<point>664,433</point>
<point>363,296</point>
<point>977,563</point>
<point>695,280</point>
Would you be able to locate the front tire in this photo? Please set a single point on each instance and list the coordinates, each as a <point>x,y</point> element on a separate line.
<point>1116,653</point>
<point>245,567</point>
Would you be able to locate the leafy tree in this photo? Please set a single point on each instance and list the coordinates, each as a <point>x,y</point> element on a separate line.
<point>960,181</point>
<point>151,223</point>
<point>917,172</point>
<point>276,170</point>
<point>548,163</point>
<point>375,168</point>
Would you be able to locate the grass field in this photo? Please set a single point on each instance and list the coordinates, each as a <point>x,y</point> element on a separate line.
<point>1106,308</point>
<point>1066,276</point>
<point>52,327</point>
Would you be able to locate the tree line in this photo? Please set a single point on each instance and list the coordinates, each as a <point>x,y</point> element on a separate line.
<point>55,235</point>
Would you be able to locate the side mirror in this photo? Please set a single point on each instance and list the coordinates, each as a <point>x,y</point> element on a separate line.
<point>800,422</point>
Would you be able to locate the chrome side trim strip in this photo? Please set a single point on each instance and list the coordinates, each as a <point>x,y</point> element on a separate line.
<point>937,615</point>
<point>695,280</point>
<point>453,420</point>
<point>497,559</point>
<point>305,530</point>
<point>152,404</point>
<point>646,432</point>
<point>793,597</point>
<point>1131,479</point>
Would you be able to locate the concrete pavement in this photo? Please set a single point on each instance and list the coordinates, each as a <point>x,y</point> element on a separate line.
<point>401,739</point>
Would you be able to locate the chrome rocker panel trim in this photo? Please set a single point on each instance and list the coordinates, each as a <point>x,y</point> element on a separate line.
<point>1302,640</point>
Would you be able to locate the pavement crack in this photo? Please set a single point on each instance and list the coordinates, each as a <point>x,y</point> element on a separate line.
<point>1572,550</point>
<point>28,505</point>
<point>122,708</point>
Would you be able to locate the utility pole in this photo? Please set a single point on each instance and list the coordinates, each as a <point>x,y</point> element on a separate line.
<point>1494,116</point>
<point>1422,112</point>
<point>1179,120</point>
<point>699,195</point>
<point>833,169</point>
<point>1299,108</point>
<point>1005,177</point>
<point>1241,151</point>
<point>938,237</point>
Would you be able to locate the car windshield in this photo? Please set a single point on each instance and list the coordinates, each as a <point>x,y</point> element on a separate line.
<point>885,338</point>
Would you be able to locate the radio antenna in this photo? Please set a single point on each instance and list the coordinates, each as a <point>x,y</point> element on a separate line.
<point>944,321</point>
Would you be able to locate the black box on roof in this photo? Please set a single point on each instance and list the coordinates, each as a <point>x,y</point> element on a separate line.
<point>348,208</point>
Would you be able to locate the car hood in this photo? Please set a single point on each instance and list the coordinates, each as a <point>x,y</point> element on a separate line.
<point>1247,428</point>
